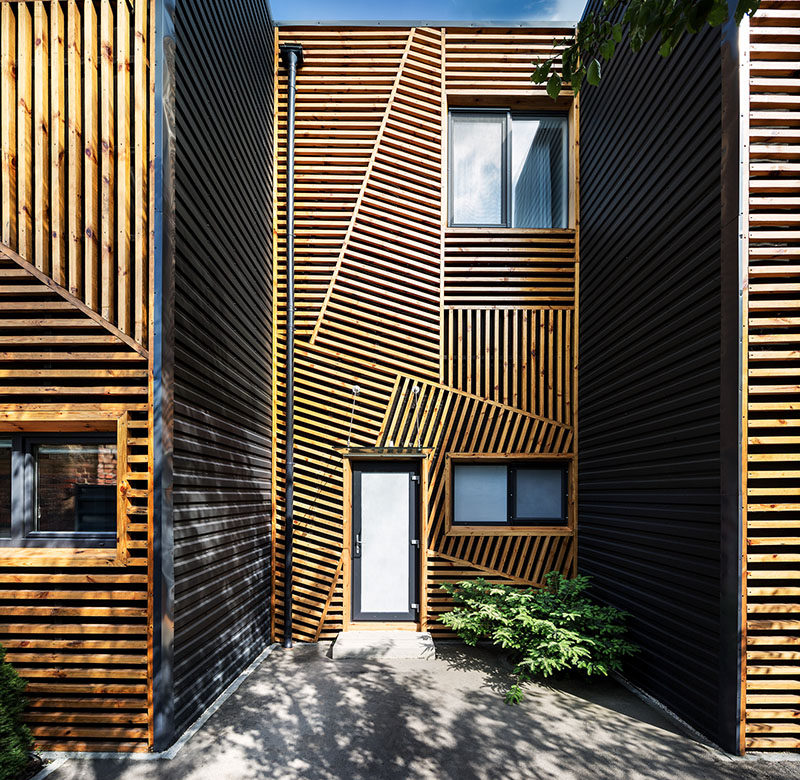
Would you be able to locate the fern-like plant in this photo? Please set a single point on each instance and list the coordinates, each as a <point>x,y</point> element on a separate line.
<point>15,737</point>
<point>547,630</point>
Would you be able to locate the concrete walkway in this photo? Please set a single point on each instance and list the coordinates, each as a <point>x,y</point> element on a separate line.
<point>302,715</point>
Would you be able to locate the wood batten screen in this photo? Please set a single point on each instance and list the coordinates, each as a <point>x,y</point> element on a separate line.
<point>481,322</point>
<point>509,268</point>
<point>75,130</point>
<point>74,119</point>
<point>496,62</point>
<point>772,672</point>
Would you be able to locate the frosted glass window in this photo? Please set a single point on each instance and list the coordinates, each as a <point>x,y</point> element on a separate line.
<point>539,494</point>
<point>5,488</point>
<point>515,493</point>
<point>480,494</point>
<point>477,165</point>
<point>385,540</point>
<point>539,172</point>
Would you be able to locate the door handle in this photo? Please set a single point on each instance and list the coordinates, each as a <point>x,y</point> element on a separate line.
<point>357,548</point>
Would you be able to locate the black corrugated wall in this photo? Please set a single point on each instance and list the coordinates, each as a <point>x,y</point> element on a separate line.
<point>651,338</point>
<point>222,404</point>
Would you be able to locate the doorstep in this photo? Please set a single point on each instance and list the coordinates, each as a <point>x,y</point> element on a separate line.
<point>374,645</point>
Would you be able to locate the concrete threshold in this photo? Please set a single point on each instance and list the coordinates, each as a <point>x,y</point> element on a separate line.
<point>373,645</point>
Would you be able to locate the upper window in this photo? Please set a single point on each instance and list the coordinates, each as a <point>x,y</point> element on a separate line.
<point>58,491</point>
<point>515,493</point>
<point>508,169</point>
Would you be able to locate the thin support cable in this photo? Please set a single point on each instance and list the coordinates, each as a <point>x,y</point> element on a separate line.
<point>415,391</point>
<point>356,391</point>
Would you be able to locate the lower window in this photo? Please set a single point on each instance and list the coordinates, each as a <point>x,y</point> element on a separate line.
<point>58,491</point>
<point>524,493</point>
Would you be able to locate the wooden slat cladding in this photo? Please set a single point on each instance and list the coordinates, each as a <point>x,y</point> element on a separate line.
<point>772,691</point>
<point>387,271</point>
<point>343,91</point>
<point>510,268</point>
<point>383,287</point>
<point>74,324</point>
<point>486,61</point>
<point>519,357</point>
<point>74,176</point>
<point>323,412</point>
<point>443,420</point>
<point>75,626</point>
<point>222,412</point>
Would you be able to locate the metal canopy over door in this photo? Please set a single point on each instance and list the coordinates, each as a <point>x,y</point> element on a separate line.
<point>385,540</point>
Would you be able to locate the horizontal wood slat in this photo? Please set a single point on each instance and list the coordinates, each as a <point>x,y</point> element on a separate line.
<point>509,268</point>
<point>497,61</point>
<point>772,672</point>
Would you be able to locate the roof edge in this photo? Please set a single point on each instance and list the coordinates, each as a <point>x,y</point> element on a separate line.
<point>544,23</point>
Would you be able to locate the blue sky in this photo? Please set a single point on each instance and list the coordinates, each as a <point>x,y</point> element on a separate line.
<point>467,10</point>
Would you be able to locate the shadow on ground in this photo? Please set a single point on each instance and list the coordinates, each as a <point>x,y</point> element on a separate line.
<point>303,715</point>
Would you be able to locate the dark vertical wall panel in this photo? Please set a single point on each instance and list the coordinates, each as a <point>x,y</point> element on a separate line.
<point>649,395</point>
<point>222,345</point>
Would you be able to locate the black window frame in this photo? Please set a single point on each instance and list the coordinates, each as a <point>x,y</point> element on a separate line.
<point>505,188</point>
<point>23,495</point>
<point>512,520</point>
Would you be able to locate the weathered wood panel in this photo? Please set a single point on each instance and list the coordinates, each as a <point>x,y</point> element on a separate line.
<point>383,288</point>
<point>772,477</point>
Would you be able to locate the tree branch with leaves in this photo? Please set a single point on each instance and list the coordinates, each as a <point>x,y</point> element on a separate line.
<point>599,33</point>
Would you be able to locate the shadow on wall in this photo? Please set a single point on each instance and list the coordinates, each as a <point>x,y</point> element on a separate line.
<point>302,715</point>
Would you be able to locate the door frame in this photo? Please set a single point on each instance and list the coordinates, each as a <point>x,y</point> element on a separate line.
<point>423,459</point>
<point>413,526</point>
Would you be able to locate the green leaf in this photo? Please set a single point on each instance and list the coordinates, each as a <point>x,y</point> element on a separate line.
<point>718,14</point>
<point>514,695</point>
<point>554,86</point>
<point>745,7</point>
<point>607,49</point>
<point>593,73</point>
<point>616,32</point>
<point>577,80</point>
<point>666,48</point>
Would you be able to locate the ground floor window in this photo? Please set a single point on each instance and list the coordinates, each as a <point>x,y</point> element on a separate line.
<point>58,490</point>
<point>509,493</point>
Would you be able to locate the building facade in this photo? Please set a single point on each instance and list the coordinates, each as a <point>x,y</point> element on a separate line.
<point>435,332</point>
<point>427,416</point>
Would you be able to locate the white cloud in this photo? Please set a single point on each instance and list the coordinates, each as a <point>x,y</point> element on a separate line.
<point>567,10</point>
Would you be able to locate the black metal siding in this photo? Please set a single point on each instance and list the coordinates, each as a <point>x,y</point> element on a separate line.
<point>649,390</point>
<point>223,267</point>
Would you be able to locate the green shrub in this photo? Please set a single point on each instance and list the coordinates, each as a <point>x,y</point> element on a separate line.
<point>547,630</point>
<point>15,737</point>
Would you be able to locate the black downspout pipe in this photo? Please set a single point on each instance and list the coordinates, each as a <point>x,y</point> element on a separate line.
<point>292,56</point>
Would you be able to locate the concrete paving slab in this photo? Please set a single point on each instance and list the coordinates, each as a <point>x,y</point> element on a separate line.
<point>372,645</point>
<point>304,716</point>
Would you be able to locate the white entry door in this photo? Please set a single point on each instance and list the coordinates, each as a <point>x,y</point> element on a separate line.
<point>385,540</point>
